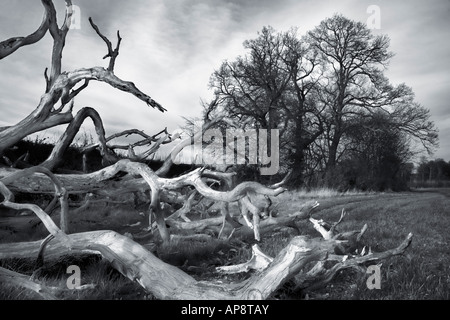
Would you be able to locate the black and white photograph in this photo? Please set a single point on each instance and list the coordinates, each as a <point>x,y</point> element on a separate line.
<point>208,153</point>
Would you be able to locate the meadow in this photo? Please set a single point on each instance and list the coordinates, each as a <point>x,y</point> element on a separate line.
<point>422,273</point>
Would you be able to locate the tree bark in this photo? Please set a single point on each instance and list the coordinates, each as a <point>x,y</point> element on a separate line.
<point>10,45</point>
<point>24,281</point>
<point>45,116</point>
<point>167,282</point>
<point>56,157</point>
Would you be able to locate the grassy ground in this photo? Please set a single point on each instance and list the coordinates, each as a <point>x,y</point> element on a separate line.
<point>424,273</point>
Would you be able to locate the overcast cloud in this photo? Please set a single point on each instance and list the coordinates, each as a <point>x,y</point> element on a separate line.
<point>170,49</point>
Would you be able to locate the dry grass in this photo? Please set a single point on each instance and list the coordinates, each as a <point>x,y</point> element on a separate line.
<point>423,274</point>
<point>320,193</point>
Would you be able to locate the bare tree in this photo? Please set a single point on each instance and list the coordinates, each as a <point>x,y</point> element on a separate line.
<point>271,88</point>
<point>127,176</point>
<point>55,106</point>
<point>354,86</point>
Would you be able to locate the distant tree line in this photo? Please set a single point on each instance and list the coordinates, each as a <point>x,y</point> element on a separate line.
<point>341,123</point>
<point>432,173</point>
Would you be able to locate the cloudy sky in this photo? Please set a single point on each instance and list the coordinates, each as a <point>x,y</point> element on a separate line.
<point>170,48</point>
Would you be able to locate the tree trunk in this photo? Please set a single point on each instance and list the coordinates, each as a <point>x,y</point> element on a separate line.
<point>56,157</point>
<point>167,282</point>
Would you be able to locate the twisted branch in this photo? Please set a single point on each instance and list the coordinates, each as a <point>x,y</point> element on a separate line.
<point>111,53</point>
<point>10,45</point>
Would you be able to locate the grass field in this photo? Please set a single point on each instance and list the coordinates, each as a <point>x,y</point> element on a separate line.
<point>424,273</point>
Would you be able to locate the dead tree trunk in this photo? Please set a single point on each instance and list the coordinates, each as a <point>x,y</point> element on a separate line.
<point>138,264</point>
<point>56,157</point>
<point>60,85</point>
<point>128,257</point>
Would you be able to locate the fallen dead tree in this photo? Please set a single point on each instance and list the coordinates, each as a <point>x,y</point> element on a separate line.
<point>167,282</point>
<point>343,254</point>
<point>184,194</point>
<point>86,182</point>
<point>138,264</point>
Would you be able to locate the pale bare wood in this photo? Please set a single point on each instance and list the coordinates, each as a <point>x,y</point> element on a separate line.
<point>60,192</point>
<point>21,280</point>
<point>248,206</point>
<point>112,54</point>
<point>327,230</point>
<point>165,281</point>
<point>168,162</point>
<point>185,209</point>
<point>238,227</point>
<point>196,225</point>
<point>43,117</point>
<point>10,45</point>
<point>40,255</point>
<point>59,39</point>
<point>147,140</point>
<point>319,276</point>
<point>64,141</point>
<point>259,261</point>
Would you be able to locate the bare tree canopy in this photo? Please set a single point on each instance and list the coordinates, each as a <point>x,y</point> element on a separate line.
<point>316,89</point>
